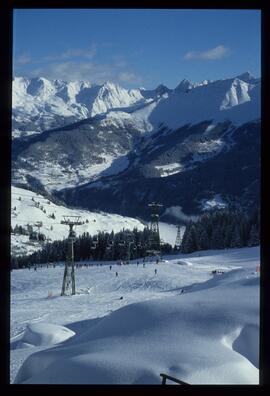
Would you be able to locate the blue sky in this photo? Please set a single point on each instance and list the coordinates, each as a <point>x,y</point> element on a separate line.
<point>136,47</point>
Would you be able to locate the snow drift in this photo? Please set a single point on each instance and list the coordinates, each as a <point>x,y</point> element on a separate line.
<point>37,334</point>
<point>207,335</point>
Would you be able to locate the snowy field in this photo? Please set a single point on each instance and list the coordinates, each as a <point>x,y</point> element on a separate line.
<point>129,328</point>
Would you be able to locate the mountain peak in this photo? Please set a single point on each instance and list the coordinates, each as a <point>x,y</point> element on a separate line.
<point>109,85</point>
<point>246,77</point>
<point>183,86</point>
<point>162,89</point>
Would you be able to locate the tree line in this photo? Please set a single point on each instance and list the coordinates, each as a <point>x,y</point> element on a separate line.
<point>215,229</point>
<point>123,245</point>
<point>222,228</point>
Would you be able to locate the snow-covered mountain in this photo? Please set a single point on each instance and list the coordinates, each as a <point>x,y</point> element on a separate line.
<point>40,104</point>
<point>126,141</point>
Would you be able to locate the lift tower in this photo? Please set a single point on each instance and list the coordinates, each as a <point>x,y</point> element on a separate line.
<point>178,238</point>
<point>154,240</point>
<point>69,275</point>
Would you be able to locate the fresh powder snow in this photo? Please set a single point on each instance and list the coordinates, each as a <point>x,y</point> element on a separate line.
<point>185,320</point>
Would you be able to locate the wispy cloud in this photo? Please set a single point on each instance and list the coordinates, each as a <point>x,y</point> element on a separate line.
<point>130,78</point>
<point>88,53</point>
<point>216,53</point>
<point>23,59</point>
<point>94,72</point>
<point>71,53</point>
<point>78,64</point>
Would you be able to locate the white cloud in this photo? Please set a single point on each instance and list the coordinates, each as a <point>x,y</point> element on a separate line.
<point>94,72</point>
<point>77,64</point>
<point>218,52</point>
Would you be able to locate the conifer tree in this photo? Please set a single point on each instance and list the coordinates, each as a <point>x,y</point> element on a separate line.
<point>236,241</point>
<point>254,238</point>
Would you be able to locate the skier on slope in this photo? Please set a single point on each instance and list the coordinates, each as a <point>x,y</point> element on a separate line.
<point>110,267</point>
<point>116,274</point>
<point>155,271</point>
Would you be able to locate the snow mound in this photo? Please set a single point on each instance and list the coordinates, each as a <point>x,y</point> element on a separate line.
<point>247,343</point>
<point>183,262</point>
<point>201,338</point>
<point>40,334</point>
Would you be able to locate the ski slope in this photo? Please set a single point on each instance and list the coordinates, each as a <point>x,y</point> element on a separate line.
<point>129,328</point>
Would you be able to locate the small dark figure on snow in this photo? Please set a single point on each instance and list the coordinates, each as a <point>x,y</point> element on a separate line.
<point>157,261</point>
<point>143,265</point>
<point>155,271</point>
<point>182,291</point>
<point>110,267</point>
<point>35,268</point>
<point>137,263</point>
<point>116,274</point>
<point>121,298</point>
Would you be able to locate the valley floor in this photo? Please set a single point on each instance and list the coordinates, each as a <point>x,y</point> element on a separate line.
<point>131,327</point>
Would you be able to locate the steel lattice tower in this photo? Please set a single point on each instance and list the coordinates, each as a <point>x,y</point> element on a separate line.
<point>154,240</point>
<point>178,239</point>
<point>68,286</point>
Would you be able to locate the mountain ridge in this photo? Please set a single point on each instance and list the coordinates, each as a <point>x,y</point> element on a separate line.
<point>40,104</point>
<point>163,137</point>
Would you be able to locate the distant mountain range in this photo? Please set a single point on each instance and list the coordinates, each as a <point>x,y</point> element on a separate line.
<point>103,147</point>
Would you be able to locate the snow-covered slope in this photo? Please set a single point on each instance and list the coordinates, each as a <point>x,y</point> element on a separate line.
<point>207,335</point>
<point>32,208</point>
<point>232,99</point>
<point>28,211</point>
